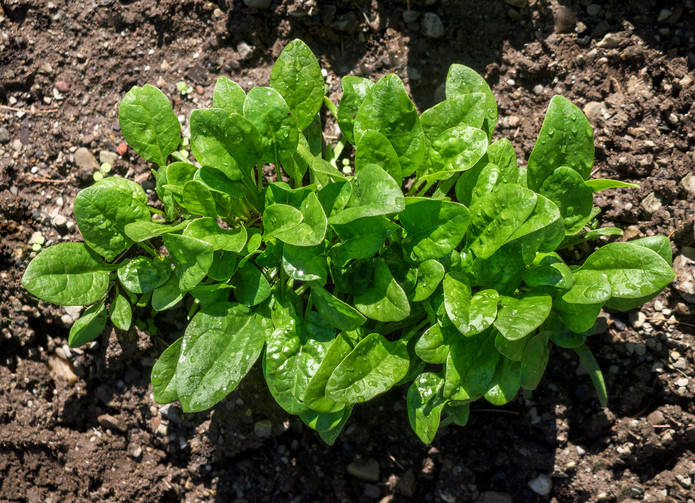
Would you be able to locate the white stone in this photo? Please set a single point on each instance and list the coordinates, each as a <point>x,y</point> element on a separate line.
<point>541,485</point>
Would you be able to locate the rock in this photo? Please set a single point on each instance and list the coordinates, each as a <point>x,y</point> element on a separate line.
<point>541,485</point>
<point>514,120</point>
<point>519,4</point>
<point>683,382</point>
<point>17,145</point>
<point>651,204</point>
<point>263,428</point>
<point>364,469</point>
<point>431,25</point>
<point>565,20</point>
<point>495,497</point>
<point>106,156</point>
<point>258,4</point>
<point>406,484</point>
<point>687,183</point>
<point>410,16</point>
<point>245,50</point>
<point>637,318</point>
<point>85,160</point>
<point>632,232</point>
<point>414,73</point>
<point>609,41</point>
<point>62,86</point>
<point>372,491</point>
<point>664,14</point>
<point>594,111</point>
<point>109,422</point>
<point>538,89</point>
<point>4,135</point>
<point>593,9</point>
<point>122,148</point>
<point>59,221</point>
<point>656,417</point>
<point>135,451</point>
<point>60,368</point>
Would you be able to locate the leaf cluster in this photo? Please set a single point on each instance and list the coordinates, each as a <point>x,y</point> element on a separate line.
<point>346,285</point>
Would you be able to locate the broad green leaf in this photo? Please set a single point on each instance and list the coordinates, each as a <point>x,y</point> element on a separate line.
<point>310,231</point>
<point>371,368</point>
<point>355,89</point>
<point>496,216</point>
<point>192,259</point>
<point>429,274</point>
<point>459,110</point>
<point>217,181</point>
<point>464,80</point>
<point>334,196</point>
<point>102,213</point>
<point>591,366</point>
<point>67,274</point>
<point>433,346</point>
<point>534,361</point>
<point>143,275</point>
<point>388,109</point>
<point>501,154</point>
<point>518,317</point>
<point>128,187</point>
<point>228,95</point>
<point>502,271</point>
<point>456,149</point>
<point>271,256</point>
<point>250,285</point>
<point>88,326</point>
<point>224,141</point>
<point>167,295</point>
<point>425,401</point>
<point>506,382</point>
<point>562,335</point>
<point>293,355</point>
<point>589,236</point>
<point>223,265</point>
<point>384,300</point>
<point>315,394</point>
<point>296,75</point>
<point>375,148</point>
<point>207,295</point>
<point>601,184</point>
<point>280,218</point>
<point>543,230</point>
<point>163,374</point>
<point>488,179</point>
<point>374,193</point>
<point>120,312</point>
<point>470,366</point>
<point>514,350</point>
<point>336,312</point>
<point>144,230</point>
<point>566,188</point>
<point>148,123</point>
<point>305,263</point>
<point>468,317</point>
<point>590,287</point>
<point>221,344</point>
<point>548,270</point>
<point>566,139</point>
<point>580,320</point>
<point>634,272</point>
<point>197,198</point>
<point>330,436</point>
<point>456,413</point>
<point>354,278</point>
<point>267,110</point>
<point>658,244</point>
<point>322,421</point>
<point>434,228</point>
<point>360,239</point>
<point>208,230</point>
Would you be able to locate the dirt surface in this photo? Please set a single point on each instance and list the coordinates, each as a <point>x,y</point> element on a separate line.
<point>81,425</point>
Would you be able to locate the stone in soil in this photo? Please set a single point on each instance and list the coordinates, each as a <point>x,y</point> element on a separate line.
<point>519,4</point>
<point>609,41</point>
<point>541,485</point>
<point>594,111</point>
<point>651,204</point>
<point>431,25</point>
<point>410,16</point>
<point>258,4</point>
<point>109,422</point>
<point>84,159</point>
<point>62,86</point>
<point>263,428</point>
<point>364,469</point>
<point>684,266</point>
<point>4,135</point>
<point>108,157</point>
<point>122,148</point>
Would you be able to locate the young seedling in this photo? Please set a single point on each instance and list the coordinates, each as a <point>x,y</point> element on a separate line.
<point>344,286</point>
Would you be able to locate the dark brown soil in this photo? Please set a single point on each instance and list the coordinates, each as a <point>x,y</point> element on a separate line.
<point>64,67</point>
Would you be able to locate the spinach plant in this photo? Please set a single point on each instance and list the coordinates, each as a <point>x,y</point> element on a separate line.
<point>346,285</point>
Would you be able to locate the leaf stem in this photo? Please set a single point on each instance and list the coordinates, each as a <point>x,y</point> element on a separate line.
<point>148,248</point>
<point>155,210</point>
<point>331,107</point>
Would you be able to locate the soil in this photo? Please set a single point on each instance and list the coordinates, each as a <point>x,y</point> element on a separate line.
<point>81,424</point>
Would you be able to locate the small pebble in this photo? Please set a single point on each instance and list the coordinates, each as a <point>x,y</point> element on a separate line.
<point>4,135</point>
<point>62,86</point>
<point>122,148</point>
<point>263,428</point>
<point>541,485</point>
<point>258,4</point>
<point>593,10</point>
<point>109,422</point>
<point>431,25</point>
<point>538,89</point>
<point>410,16</point>
<point>364,469</point>
<point>609,41</point>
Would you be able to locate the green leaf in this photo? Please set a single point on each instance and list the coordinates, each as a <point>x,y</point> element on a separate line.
<point>425,403</point>
<point>354,278</point>
<point>67,274</point>
<point>581,320</point>
<point>518,317</point>
<point>293,355</point>
<point>120,312</point>
<point>355,89</point>
<point>296,75</point>
<point>633,271</point>
<point>505,383</point>
<point>470,366</point>
<point>543,230</point>
<point>375,148</point>
<point>388,109</point>
<point>143,275</point>
<point>208,295</point>
<point>434,228</point>
<point>502,271</point>
<point>384,300</point>
<point>284,225</point>
<point>371,368</point>
<point>456,149</point>
<point>429,274</point>
<point>178,173</point>
<point>464,80</point>
<point>251,286</point>
<point>374,193</point>
<point>88,326</point>
<point>360,239</point>
<point>534,361</point>
<point>223,265</point>
<point>589,236</point>
<point>548,270</point>
<point>334,196</point>
<point>305,263</point>
<point>218,182</point>
<point>590,287</point>
<point>267,110</point>
<point>167,295</point>
<point>566,188</point>
<point>459,110</point>
<point>591,366</point>
<point>144,230</point>
<point>600,184</point>
<point>221,344</point>
<point>336,312</point>
<point>658,244</point>
<point>228,95</point>
<point>514,350</point>
<point>562,335</point>
<point>566,139</point>
<point>330,436</point>
<point>148,123</point>
<point>322,421</point>
<point>496,216</point>
<point>280,218</point>
<point>470,315</point>
<point>433,346</point>
<point>208,230</point>
<point>197,198</point>
<point>192,259</point>
<point>102,213</point>
<point>163,375</point>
